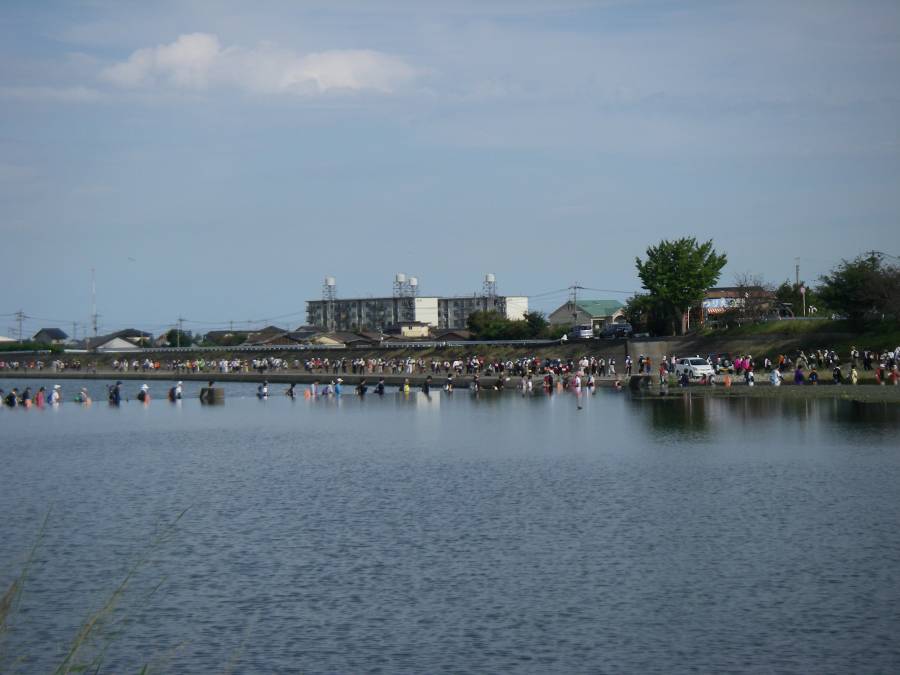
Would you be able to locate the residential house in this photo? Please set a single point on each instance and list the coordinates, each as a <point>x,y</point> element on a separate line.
<point>596,313</point>
<point>226,338</point>
<point>414,330</point>
<point>263,335</point>
<point>340,339</point>
<point>129,339</point>
<point>116,344</point>
<point>50,336</point>
<point>739,301</point>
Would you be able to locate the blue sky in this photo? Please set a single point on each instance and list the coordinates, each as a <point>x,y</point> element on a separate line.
<point>215,160</point>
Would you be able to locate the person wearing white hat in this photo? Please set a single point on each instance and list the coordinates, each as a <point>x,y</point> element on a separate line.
<point>175,392</point>
<point>55,395</point>
<point>144,394</point>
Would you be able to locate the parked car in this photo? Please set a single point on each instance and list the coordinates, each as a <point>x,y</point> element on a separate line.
<point>695,367</point>
<point>582,332</point>
<point>615,331</point>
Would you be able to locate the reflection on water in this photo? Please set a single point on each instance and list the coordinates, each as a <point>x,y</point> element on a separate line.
<point>704,416</point>
<point>677,414</point>
<point>488,533</point>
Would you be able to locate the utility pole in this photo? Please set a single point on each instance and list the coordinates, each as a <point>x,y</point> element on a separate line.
<point>94,315</point>
<point>574,288</point>
<point>74,331</point>
<point>797,272</point>
<point>178,334</point>
<point>20,317</point>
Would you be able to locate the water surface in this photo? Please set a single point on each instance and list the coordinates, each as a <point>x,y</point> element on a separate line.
<point>455,533</point>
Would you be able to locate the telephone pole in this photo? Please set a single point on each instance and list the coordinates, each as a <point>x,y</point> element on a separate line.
<point>797,272</point>
<point>574,288</point>
<point>20,317</point>
<point>178,334</point>
<point>94,315</point>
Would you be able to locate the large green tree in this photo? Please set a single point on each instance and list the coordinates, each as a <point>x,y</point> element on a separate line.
<point>537,324</point>
<point>183,338</point>
<point>864,288</point>
<point>646,314</point>
<point>788,293</point>
<point>677,274</point>
<point>495,326</point>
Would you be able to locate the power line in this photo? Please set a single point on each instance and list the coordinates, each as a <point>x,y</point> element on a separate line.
<point>556,292</point>
<point>607,290</point>
<point>882,253</point>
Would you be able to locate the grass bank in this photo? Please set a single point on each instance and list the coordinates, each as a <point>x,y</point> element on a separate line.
<point>815,334</point>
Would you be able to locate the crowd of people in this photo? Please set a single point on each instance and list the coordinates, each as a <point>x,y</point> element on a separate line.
<point>801,368</point>
<point>54,396</point>
<point>40,398</point>
<point>813,367</point>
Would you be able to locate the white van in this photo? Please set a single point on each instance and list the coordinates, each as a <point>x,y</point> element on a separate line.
<point>694,367</point>
<point>581,332</point>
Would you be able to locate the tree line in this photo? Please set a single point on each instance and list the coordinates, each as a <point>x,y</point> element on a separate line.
<point>494,326</point>
<point>677,275</point>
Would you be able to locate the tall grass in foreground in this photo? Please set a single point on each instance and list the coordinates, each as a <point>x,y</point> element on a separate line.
<point>94,626</point>
<point>10,600</point>
<point>95,635</point>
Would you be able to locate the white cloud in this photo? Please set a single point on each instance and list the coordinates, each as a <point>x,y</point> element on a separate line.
<point>197,61</point>
<point>77,94</point>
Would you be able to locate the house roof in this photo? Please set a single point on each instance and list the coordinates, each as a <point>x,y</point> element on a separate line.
<point>372,335</point>
<point>303,333</point>
<point>52,333</point>
<point>115,343</point>
<point>131,333</point>
<point>283,339</point>
<point>224,333</point>
<point>270,330</point>
<point>348,337</point>
<point>127,334</point>
<point>343,337</point>
<point>266,335</point>
<point>217,336</point>
<point>599,307</point>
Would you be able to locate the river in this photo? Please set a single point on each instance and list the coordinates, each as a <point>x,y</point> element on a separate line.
<point>455,533</point>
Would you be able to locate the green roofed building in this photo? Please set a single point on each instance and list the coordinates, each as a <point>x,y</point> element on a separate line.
<point>596,313</point>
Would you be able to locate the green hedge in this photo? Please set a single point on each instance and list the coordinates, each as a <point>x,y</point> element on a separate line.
<point>28,347</point>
